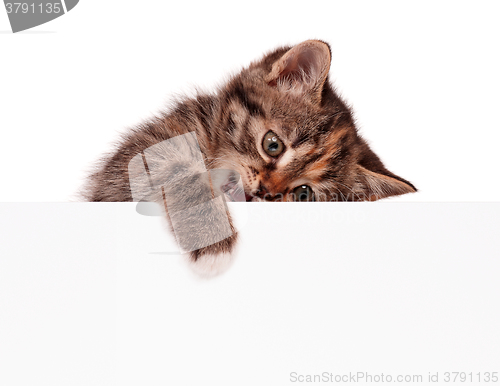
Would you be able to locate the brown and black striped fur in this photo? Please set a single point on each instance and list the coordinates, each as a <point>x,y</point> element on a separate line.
<point>287,92</point>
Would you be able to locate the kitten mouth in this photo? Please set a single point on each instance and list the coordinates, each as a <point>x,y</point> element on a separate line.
<point>233,186</point>
<point>233,193</point>
<point>230,185</point>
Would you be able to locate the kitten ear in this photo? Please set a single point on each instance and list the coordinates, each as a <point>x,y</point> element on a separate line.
<point>303,69</point>
<point>372,185</point>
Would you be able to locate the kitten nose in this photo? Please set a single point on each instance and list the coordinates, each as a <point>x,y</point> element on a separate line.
<point>261,191</point>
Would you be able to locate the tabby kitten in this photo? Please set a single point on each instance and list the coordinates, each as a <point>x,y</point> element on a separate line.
<point>278,123</point>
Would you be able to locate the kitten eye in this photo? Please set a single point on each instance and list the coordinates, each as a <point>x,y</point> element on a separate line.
<point>303,193</point>
<point>272,144</point>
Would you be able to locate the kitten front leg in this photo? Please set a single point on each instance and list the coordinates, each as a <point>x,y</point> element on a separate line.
<point>201,223</point>
<point>172,173</point>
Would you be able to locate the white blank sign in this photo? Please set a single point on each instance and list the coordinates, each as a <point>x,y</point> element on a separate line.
<point>96,294</point>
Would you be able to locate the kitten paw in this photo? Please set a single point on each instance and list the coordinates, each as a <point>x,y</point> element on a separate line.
<point>213,260</point>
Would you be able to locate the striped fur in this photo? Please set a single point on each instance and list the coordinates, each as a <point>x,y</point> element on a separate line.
<point>286,92</point>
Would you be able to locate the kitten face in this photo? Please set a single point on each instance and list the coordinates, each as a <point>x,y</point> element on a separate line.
<point>291,138</point>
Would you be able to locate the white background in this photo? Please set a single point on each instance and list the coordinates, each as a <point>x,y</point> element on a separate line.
<point>407,290</point>
<point>422,77</point>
